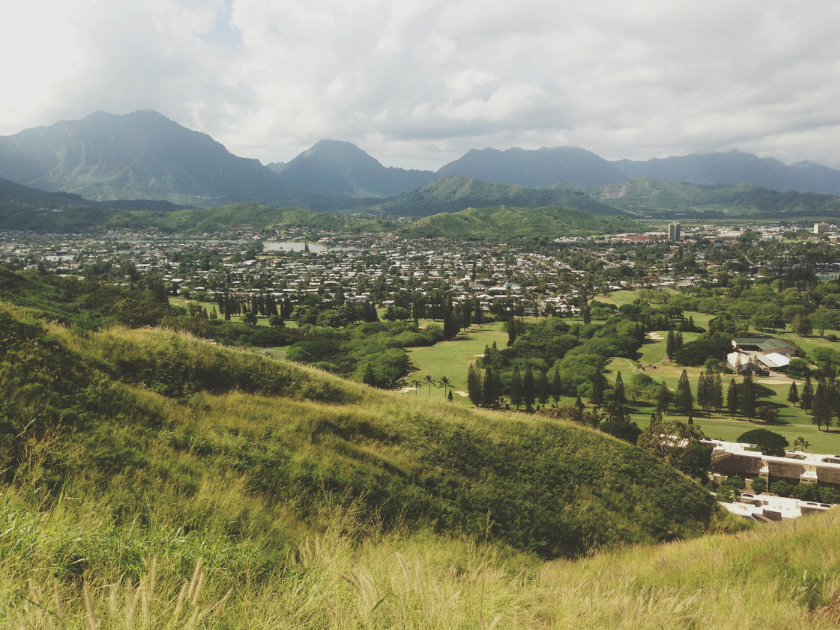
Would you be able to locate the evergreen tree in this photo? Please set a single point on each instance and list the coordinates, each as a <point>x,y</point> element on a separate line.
<point>732,402</point>
<point>529,390</point>
<point>663,398</point>
<point>793,394</point>
<point>806,399</point>
<point>748,397</point>
<point>511,330</point>
<point>597,397</point>
<point>543,389</point>
<point>556,385</point>
<point>669,345</point>
<point>703,392</point>
<point>616,410</point>
<point>488,394</point>
<point>479,318</point>
<point>717,393</point>
<point>684,399</point>
<point>515,388</point>
<point>369,377</point>
<point>678,342</point>
<point>821,408</point>
<point>474,388</point>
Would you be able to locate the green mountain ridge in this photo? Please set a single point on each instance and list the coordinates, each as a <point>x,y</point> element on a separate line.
<point>648,196</point>
<point>505,222</point>
<point>456,193</point>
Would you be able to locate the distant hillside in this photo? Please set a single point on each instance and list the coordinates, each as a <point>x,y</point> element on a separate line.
<point>548,166</point>
<point>653,197</point>
<point>142,155</point>
<point>24,208</point>
<point>341,169</point>
<point>737,168</point>
<point>452,194</point>
<point>534,169</point>
<point>505,222</point>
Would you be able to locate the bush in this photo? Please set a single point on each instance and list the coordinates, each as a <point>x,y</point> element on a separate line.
<point>627,431</point>
<point>758,485</point>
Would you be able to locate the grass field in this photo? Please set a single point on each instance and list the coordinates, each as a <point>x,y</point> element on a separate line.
<point>452,358</point>
<point>793,422</point>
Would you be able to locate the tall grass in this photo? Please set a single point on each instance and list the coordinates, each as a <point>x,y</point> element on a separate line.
<point>781,576</point>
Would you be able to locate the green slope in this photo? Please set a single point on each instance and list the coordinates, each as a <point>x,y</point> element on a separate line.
<point>660,198</point>
<point>510,222</point>
<point>452,194</point>
<point>25,208</point>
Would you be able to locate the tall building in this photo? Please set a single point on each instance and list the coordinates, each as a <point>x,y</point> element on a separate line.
<point>674,231</point>
<point>820,228</point>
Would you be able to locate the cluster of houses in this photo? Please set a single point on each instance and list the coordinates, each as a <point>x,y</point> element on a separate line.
<point>796,467</point>
<point>772,355</point>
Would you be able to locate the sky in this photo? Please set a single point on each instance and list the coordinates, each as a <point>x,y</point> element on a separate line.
<point>417,83</point>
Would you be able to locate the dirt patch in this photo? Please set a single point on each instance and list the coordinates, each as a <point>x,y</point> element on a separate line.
<point>655,336</point>
<point>462,394</point>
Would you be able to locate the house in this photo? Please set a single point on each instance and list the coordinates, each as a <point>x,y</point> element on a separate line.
<point>768,353</point>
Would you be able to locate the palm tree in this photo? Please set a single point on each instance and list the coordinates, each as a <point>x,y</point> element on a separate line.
<point>445,382</point>
<point>429,381</point>
<point>417,383</point>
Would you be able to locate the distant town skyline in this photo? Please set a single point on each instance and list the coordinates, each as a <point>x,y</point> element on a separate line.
<point>417,84</point>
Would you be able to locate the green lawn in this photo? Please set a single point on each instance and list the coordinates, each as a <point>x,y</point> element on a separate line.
<point>452,358</point>
<point>724,428</point>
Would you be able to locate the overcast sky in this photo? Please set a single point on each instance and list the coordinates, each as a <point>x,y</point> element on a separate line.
<point>417,83</point>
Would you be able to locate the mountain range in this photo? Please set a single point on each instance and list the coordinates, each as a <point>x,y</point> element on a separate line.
<point>144,155</point>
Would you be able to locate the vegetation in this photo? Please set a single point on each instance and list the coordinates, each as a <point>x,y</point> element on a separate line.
<point>511,222</point>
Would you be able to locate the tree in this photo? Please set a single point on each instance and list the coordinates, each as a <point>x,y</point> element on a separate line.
<point>678,342</point>
<point>801,444</point>
<point>681,447</point>
<point>275,321</point>
<point>488,393</point>
<point>543,389</point>
<point>669,345</point>
<point>556,385</point>
<point>369,378</point>
<point>446,384</point>
<point>758,485</point>
<point>428,380</point>
<point>801,326</point>
<point>663,398</point>
<point>732,402</point>
<point>806,399</point>
<point>748,397</point>
<point>515,387</point>
<point>597,396</point>
<point>249,318</point>
<point>529,391</point>
<point>683,398</point>
<point>717,393</point>
<point>793,394</point>
<point>618,390</point>
<point>703,392</point>
<point>511,331</point>
<point>768,442</point>
<point>474,389</point>
<point>822,409</point>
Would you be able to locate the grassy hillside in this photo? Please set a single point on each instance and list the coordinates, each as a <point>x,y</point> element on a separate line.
<point>659,198</point>
<point>453,194</point>
<point>140,464</point>
<point>509,222</point>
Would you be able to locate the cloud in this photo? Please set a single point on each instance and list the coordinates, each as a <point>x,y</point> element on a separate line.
<point>418,83</point>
